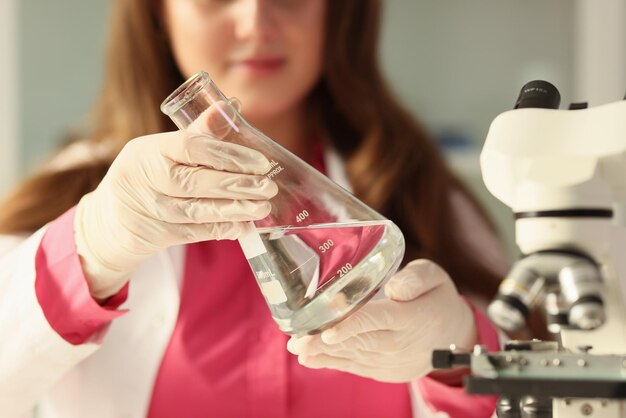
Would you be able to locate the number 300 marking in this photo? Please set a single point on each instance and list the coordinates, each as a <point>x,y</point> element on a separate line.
<point>326,245</point>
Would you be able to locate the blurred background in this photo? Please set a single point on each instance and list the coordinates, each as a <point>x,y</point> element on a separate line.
<point>456,64</point>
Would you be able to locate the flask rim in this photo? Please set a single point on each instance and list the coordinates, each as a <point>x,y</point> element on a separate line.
<point>185,93</point>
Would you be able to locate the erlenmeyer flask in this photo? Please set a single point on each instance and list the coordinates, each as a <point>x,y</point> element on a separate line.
<point>321,253</point>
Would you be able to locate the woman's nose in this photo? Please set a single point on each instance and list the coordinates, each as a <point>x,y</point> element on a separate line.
<point>254,18</point>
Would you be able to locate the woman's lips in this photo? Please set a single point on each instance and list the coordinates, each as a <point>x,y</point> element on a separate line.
<point>261,66</point>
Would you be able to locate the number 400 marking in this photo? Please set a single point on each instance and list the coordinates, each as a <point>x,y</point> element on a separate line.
<point>302,216</point>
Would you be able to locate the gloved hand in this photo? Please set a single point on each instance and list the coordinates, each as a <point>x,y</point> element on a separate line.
<point>167,189</point>
<point>392,340</point>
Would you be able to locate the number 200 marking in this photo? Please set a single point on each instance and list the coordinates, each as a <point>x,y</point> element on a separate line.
<point>326,245</point>
<point>344,270</point>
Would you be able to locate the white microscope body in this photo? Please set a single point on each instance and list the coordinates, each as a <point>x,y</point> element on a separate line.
<point>563,173</point>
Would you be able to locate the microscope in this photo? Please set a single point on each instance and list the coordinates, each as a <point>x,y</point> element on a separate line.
<point>563,173</point>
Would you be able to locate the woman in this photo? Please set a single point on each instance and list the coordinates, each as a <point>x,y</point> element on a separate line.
<point>306,74</point>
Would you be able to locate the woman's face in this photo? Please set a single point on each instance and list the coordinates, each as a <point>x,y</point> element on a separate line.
<point>267,53</point>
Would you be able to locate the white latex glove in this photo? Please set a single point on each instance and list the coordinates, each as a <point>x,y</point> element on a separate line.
<point>167,189</point>
<point>392,340</point>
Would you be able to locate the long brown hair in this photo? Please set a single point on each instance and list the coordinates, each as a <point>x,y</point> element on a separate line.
<point>391,161</point>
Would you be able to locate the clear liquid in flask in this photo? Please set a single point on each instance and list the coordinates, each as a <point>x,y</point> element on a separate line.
<point>314,276</point>
<point>316,273</point>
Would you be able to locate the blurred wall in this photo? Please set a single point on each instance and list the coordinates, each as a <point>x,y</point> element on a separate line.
<point>9,154</point>
<point>457,64</point>
<point>60,62</point>
<point>600,62</point>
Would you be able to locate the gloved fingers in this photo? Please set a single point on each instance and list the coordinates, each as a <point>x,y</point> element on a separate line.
<point>336,352</point>
<point>374,316</point>
<point>201,150</point>
<point>323,361</point>
<point>189,233</point>
<point>416,279</point>
<point>202,211</point>
<point>382,368</point>
<point>385,341</point>
<point>218,120</point>
<point>311,345</point>
<point>200,182</point>
<point>296,343</point>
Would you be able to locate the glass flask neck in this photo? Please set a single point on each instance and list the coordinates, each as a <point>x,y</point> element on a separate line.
<point>192,98</point>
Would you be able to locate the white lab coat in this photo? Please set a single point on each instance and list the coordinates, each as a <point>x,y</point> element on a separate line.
<point>112,379</point>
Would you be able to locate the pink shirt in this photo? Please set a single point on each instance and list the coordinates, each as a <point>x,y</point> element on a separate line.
<point>233,360</point>
<point>226,356</point>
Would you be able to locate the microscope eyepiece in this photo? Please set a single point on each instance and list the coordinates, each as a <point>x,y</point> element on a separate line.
<point>540,94</point>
